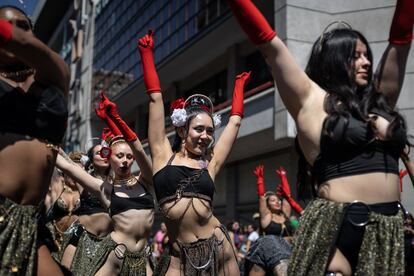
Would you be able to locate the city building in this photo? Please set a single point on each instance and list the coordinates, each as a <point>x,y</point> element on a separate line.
<point>200,48</point>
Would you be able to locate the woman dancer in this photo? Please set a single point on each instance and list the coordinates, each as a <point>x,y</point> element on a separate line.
<point>184,175</point>
<point>66,204</point>
<point>84,236</point>
<point>124,251</point>
<point>270,253</point>
<point>352,136</point>
<point>33,83</point>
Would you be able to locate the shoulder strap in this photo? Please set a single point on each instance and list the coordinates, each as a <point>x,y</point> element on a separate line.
<point>171,159</point>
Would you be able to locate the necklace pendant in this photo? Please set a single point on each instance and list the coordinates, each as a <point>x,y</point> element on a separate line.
<point>202,163</point>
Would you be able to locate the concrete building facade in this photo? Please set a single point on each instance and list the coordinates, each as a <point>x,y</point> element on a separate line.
<point>200,48</point>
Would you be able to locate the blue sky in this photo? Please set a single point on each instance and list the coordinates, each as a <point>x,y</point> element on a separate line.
<point>26,5</point>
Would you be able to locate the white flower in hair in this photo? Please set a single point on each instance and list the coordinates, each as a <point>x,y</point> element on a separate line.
<point>179,117</point>
<point>84,159</point>
<point>217,120</point>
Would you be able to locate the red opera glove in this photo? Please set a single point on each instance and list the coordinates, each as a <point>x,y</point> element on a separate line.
<point>237,107</point>
<point>6,30</point>
<point>145,46</point>
<point>284,190</point>
<point>107,134</point>
<point>402,174</point>
<point>294,205</point>
<point>101,113</point>
<point>401,31</point>
<point>260,180</point>
<point>252,21</point>
<point>112,113</point>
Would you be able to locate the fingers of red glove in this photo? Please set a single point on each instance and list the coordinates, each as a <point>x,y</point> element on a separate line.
<point>147,41</point>
<point>100,113</point>
<point>258,171</point>
<point>6,31</point>
<point>281,171</point>
<point>237,107</point>
<point>245,77</point>
<point>111,108</point>
<point>403,173</point>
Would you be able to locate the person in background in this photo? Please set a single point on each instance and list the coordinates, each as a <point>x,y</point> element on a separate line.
<point>252,237</point>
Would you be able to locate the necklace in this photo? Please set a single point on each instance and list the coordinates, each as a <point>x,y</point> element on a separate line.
<point>67,189</point>
<point>127,182</point>
<point>202,163</point>
<point>11,75</point>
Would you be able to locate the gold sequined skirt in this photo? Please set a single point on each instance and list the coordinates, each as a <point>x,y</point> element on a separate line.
<point>381,252</point>
<point>134,263</point>
<point>18,238</point>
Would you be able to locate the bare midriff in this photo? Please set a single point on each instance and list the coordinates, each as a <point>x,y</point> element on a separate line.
<point>132,228</point>
<point>26,166</point>
<point>369,188</point>
<point>196,223</point>
<point>98,224</point>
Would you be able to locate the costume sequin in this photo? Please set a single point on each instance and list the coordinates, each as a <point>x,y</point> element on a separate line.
<point>381,253</point>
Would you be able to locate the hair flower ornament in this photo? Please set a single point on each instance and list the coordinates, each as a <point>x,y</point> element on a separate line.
<point>179,115</point>
<point>84,160</point>
<point>217,120</point>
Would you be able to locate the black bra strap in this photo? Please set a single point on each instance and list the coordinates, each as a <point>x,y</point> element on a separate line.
<point>171,159</point>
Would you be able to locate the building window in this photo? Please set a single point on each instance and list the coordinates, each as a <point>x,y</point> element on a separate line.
<point>118,26</point>
<point>214,87</point>
<point>261,73</point>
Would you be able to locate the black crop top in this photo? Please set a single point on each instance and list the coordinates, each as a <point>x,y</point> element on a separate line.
<point>122,204</point>
<point>41,116</point>
<point>90,204</point>
<point>172,182</point>
<point>276,229</point>
<point>356,150</point>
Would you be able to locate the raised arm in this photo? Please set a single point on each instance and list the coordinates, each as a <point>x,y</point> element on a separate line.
<point>391,70</point>
<point>265,213</point>
<point>158,141</point>
<point>49,66</point>
<point>293,84</point>
<point>130,136</point>
<point>92,184</point>
<point>229,135</point>
<point>409,165</point>
<point>284,191</point>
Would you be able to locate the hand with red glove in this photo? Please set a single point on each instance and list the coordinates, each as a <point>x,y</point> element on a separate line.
<point>401,31</point>
<point>145,46</point>
<point>284,190</point>
<point>107,134</point>
<point>112,113</point>
<point>252,21</point>
<point>101,113</point>
<point>402,174</point>
<point>237,107</point>
<point>258,172</point>
<point>6,30</point>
